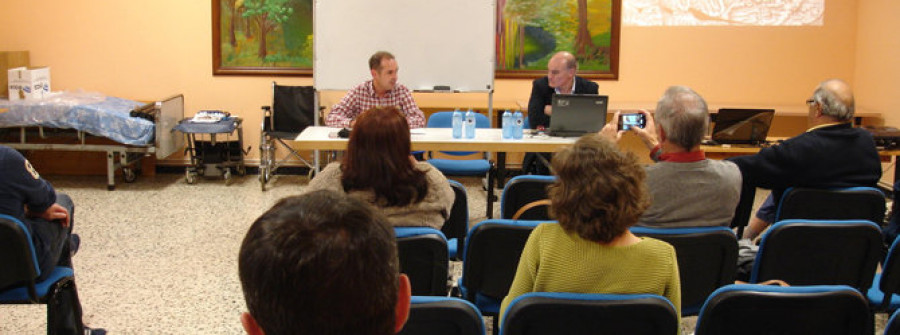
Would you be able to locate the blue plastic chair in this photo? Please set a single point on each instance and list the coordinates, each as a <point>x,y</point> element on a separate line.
<point>851,203</point>
<point>442,316</point>
<point>457,225</point>
<point>20,271</point>
<point>580,313</point>
<point>763,309</point>
<point>464,167</point>
<point>819,252</point>
<point>707,260</point>
<point>893,325</point>
<point>887,283</point>
<point>423,257</point>
<point>490,260</point>
<point>522,190</point>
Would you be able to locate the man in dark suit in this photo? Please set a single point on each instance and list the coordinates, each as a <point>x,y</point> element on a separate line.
<point>561,79</point>
<point>832,153</point>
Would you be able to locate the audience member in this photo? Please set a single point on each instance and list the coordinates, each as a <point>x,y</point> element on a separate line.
<point>383,90</point>
<point>322,263</point>
<point>832,153</point>
<point>600,193</point>
<point>48,216</point>
<point>682,119</point>
<point>560,79</point>
<point>378,169</point>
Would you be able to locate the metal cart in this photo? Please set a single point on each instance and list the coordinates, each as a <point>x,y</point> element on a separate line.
<point>211,157</point>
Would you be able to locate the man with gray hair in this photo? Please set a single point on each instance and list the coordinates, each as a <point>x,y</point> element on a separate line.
<point>831,154</point>
<point>682,119</point>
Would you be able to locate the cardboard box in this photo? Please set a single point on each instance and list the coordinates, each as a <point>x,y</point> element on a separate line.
<point>29,83</point>
<point>9,60</point>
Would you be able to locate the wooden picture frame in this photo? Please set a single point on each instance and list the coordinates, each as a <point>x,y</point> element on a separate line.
<point>286,48</point>
<point>529,32</point>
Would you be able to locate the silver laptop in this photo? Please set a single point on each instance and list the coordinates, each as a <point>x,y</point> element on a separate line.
<point>577,114</point>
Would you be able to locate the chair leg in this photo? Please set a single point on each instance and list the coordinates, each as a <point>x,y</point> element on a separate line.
<point>490,196</point>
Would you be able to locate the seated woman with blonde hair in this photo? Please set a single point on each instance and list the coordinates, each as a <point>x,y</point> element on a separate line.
<point>377,168</point>
<point>599,194</point>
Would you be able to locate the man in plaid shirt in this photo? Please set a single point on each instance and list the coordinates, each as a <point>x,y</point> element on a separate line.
<point>383,90</point>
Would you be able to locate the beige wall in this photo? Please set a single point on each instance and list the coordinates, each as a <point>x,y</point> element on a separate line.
<point>878,59</point>
<point>146,50</point>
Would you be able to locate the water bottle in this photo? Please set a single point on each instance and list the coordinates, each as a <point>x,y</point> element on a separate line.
<point>517,127</point>
<point>457,124</point>
<point>470,124</point>
<point>507,125</point>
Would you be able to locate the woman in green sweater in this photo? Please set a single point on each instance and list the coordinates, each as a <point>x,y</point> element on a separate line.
<point>600,193</point>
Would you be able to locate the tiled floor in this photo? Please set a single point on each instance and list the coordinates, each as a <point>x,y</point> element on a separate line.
<point>159,256</point>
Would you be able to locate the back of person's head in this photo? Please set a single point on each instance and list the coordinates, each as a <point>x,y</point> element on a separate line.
<point>320,263</point>
<point>600,191</point>
<point>375,60</point>
<point>836,99</point>
<point>683,116</point>
<point>378,159</point>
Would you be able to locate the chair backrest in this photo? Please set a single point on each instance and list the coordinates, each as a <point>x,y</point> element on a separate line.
<point>572,313</point>
<point>491,256</point>
<point>442,316</point>
<point>853,203</point>
<point>761,309</point>
<point>744,208</point>
<point>811,252</point>
<point>893,325</point>
<point>457,225</point>
<point>423,258</point>
<point>707,260</point>
<point>521,190</point>
<point>889,283</point>
<point>293,108</point>
<point>445,120</point>
<point>17,257</point>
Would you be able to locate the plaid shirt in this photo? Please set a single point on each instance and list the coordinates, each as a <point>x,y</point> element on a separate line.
<point>362,98</point>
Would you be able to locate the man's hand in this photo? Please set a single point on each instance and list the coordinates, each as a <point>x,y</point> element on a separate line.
<point>53,213</point>
<point>611,130</point>
<point>648,133</point>
<point>548,110</point>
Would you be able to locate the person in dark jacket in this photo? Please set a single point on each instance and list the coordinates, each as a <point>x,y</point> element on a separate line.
<point>832,153</point>
<point>560,79</point>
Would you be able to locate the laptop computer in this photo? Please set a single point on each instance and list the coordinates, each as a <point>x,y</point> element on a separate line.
<point>742,126</point>
<point>577,114</point>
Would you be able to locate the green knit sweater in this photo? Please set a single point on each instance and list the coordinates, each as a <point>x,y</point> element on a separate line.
<point>555,261</point>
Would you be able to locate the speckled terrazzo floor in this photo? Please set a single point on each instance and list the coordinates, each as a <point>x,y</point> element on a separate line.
<point>159,256</point>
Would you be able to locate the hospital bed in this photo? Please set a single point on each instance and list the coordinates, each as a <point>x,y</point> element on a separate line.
<point>73,121</point>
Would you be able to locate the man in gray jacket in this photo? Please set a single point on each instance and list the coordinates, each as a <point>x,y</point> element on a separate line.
<point>686,188</point>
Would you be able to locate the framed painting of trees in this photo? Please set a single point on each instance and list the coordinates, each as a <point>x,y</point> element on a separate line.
<point>262,37</point>
<point>529,32</point>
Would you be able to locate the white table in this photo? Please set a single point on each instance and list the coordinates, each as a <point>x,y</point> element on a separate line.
<point>441,139</point>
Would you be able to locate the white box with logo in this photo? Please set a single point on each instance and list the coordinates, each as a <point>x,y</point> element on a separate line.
<point>29,83</point>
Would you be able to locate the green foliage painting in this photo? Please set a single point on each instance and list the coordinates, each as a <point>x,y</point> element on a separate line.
<point>531,31</point>
<point>262,37</point>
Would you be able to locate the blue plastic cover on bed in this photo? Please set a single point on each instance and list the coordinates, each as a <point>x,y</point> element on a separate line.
<point>92,113</point>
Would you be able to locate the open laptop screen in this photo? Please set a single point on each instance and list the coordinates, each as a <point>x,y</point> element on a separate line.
<point>578,114</point>
<point>742,126</point>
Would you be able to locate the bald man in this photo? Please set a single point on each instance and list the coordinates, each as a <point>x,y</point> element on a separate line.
<point>560,79</point>
<point>832,153</point>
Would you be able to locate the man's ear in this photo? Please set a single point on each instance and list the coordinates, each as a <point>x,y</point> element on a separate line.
<point>374,73</point>
<point>661,133</point>
<point>250,325</point>
<point>401,311</point>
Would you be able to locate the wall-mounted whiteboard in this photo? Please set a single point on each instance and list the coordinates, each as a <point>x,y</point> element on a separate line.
<point>436,43</point>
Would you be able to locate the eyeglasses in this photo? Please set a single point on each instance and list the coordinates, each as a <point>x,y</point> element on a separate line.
<point>811,102</point>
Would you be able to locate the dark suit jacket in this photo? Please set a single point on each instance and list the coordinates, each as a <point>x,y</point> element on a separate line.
<point>833,156</point>
<point>542,95</point>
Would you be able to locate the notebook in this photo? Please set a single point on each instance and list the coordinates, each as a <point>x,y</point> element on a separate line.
<point>577,114</point>
<point>742,126</point>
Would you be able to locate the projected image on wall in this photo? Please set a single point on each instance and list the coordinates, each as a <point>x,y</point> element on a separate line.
<point>723,12</point>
